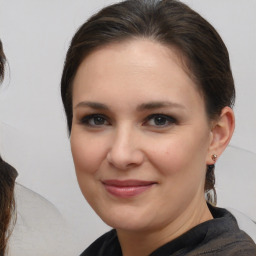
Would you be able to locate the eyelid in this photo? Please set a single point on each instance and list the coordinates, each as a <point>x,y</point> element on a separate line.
<point>161,115</point>
<point>85,119</point>
<point>169,118</point>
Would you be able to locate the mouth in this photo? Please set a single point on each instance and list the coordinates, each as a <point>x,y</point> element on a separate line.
<point>127,188</point>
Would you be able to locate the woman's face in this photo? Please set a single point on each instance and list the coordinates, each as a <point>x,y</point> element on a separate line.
<point>140,136</point>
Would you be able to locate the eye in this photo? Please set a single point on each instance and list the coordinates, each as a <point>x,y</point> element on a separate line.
<point>159,120</point>
<point>95,120</point>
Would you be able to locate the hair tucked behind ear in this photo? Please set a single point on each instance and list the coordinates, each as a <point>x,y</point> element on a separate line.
<point>209,187</point>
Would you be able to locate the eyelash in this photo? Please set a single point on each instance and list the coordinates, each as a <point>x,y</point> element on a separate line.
<point>169,119</point>
<point>86,120</point>
<point>166,118</point>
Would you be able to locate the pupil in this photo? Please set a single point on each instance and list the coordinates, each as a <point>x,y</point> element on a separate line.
<point>160,120</point>
<point>98,120</point>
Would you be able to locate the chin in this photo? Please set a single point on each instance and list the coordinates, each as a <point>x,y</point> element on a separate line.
<point>126,219</point>
<point>128,226</point>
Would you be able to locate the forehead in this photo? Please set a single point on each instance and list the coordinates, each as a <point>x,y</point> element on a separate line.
<point>144,50</point>
<point>133,65</point>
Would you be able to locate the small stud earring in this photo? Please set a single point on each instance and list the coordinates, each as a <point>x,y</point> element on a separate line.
<point>214,157</point>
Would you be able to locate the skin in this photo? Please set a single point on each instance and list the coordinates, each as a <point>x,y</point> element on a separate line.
<point>116,91</point>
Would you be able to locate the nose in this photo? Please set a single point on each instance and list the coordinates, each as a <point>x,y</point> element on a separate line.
<point>125,152</point>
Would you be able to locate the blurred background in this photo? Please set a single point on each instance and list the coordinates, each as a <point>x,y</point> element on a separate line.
<point>33,133</point>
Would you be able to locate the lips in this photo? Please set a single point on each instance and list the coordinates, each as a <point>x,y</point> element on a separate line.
<point>127,188</point>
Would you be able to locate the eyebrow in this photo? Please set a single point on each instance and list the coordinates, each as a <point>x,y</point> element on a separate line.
<point>141,107</point>
<point>94,105</point>
<point>159,104</point>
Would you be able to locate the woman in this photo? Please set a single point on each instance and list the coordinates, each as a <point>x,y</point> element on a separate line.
<point>148,93</point>
<point>7,181</point>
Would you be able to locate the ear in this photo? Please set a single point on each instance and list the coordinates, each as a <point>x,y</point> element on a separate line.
<point>221,133</point>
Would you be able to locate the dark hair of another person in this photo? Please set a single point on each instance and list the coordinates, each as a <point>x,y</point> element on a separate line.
<point>173,24</point>
<point>7,181</point>
<point>2,62</point>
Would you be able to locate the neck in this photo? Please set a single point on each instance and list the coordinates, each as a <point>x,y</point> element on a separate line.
<point>142,243</point>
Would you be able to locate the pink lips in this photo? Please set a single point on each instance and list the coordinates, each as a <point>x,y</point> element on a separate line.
<point>127,188</point>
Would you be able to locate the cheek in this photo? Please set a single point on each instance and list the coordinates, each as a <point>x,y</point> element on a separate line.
<point>168,158</point>
<point>181,165</point>
<point>87,153</point>
<point>180,154</point>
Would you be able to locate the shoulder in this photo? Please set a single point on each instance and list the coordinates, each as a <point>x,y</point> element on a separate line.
<point>39,229</point>
<point>224,236</point>
<point>216,237</point>
<point>245,223</point>
<point>106,245</point>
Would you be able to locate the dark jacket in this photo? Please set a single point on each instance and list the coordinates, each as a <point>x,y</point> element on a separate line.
<point>220,236</point>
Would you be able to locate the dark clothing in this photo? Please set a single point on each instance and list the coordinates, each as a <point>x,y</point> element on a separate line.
<point>220,236</point>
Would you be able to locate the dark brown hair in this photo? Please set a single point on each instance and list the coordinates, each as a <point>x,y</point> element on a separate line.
<point>7,181</point>
<point>2,62</point>
<point>173,24</point>
<point>7,203</point>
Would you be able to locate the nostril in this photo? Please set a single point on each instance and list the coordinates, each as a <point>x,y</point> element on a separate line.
<point>125,160</point>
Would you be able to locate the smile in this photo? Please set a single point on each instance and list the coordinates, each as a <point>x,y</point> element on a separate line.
<point>127,188</point>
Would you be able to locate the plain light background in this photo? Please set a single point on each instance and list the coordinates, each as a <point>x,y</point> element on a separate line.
<point>33,134</point>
